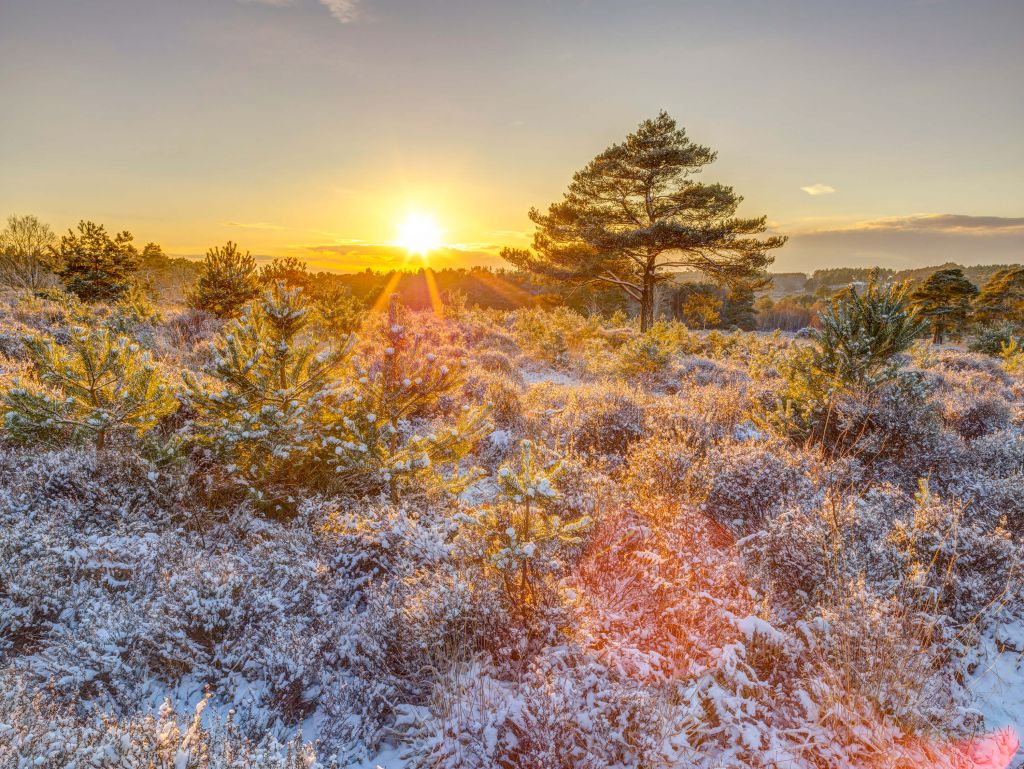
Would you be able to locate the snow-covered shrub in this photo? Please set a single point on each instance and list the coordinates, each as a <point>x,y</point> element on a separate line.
<point>518,537</point>
<point>269,397</point>
<point>564,712</point>
<point>658,591</point>
<point>93,388</point>
<point>743,484</point>
<point>659,466</point>
<point>991,339</point>
<point>553,336</point>
<point>600,418</point>
<point>375,444</point>
<point>957,563</point>
<point>972,415</point>
<point>36,732</point>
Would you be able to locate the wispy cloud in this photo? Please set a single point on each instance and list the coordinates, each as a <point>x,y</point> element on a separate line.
<point>344,11</point>
<point>818,189</point>
<point>949,223</point>
<point>255,225</point>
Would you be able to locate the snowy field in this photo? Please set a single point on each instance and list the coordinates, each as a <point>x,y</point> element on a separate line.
<point>526,539</point>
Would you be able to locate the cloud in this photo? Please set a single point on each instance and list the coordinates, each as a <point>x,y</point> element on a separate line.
<point>950,223</point>
<point>818,189</point>
<point>344,11</point>
<point>254,225</point>
<point>916,240</point>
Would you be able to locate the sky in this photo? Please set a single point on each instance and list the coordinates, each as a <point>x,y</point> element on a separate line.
<point>869,131</point>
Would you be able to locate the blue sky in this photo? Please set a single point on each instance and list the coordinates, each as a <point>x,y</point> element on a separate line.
<point>871,132</point>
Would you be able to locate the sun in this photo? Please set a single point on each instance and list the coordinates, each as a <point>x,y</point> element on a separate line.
<point>419,234</point>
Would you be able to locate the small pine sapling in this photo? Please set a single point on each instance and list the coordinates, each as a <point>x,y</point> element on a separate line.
<point>853,352</point>
<point>372,441</point>
<point>519,537</point>
<point>274,394</point>
<point>98,383</point>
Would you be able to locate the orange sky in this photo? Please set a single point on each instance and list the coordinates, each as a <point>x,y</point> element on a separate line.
<point>878,132</point>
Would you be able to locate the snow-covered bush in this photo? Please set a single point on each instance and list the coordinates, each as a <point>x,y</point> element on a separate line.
<point>97,385</point>
<point>518,536</point>
<point>383,439</point>
<point>743,484</point>
<point>269,396</point>
<point>600,418</point>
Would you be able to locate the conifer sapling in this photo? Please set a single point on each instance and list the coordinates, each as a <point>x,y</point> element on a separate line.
<point>98,383</point>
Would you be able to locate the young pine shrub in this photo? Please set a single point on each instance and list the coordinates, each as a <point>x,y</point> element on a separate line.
<point>98,385</point>
<point>518,537</point>
<point>1012,355</point>
<point>854,353</point>
<point>337,313</point>
<point>375,443</point>
<point>273,394</point>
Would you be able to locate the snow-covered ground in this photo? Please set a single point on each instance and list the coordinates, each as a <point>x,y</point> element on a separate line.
<point>997,681</point>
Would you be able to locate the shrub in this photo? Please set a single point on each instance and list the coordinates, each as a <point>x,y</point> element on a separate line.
<point>744,484</point>
<point>602,418</point>
<point>971,416</point>
<point>991,339</point>
<point>1012,355</point>
<point>98,385</point>
<point>853,359</point>
<point>653,350</point>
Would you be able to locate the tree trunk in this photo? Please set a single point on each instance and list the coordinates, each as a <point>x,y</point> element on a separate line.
<point>937,334</point>
<point>647,302</point>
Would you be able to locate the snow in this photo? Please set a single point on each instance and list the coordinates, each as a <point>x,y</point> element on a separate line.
<point>549,376</point>
<point>998,681</point>
<point>389,758</point>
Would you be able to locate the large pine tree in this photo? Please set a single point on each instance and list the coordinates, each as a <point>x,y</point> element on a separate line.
<point>635,214</point>
<point>944,300</point>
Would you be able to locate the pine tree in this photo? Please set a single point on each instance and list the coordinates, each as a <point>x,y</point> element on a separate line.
<point>634,215</point>
<point>738,309</point>
<point>95,266</point>
<point>853,352</point>
<point>944,300</point>
<point>519,536</point>
<point>861,333</point>
<point>293,272</point>
<point>274,394</point>
<point>372,440</point>
<point>1002,298</point>
<point>96,385</point>
<point>227,283</point>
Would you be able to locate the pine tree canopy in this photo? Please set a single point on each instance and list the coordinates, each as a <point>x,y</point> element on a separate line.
<point>227,283</point>
<point>944,300</point>
<point>1002,297</point>
<point>94,265</point>
<point>635,213</point>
